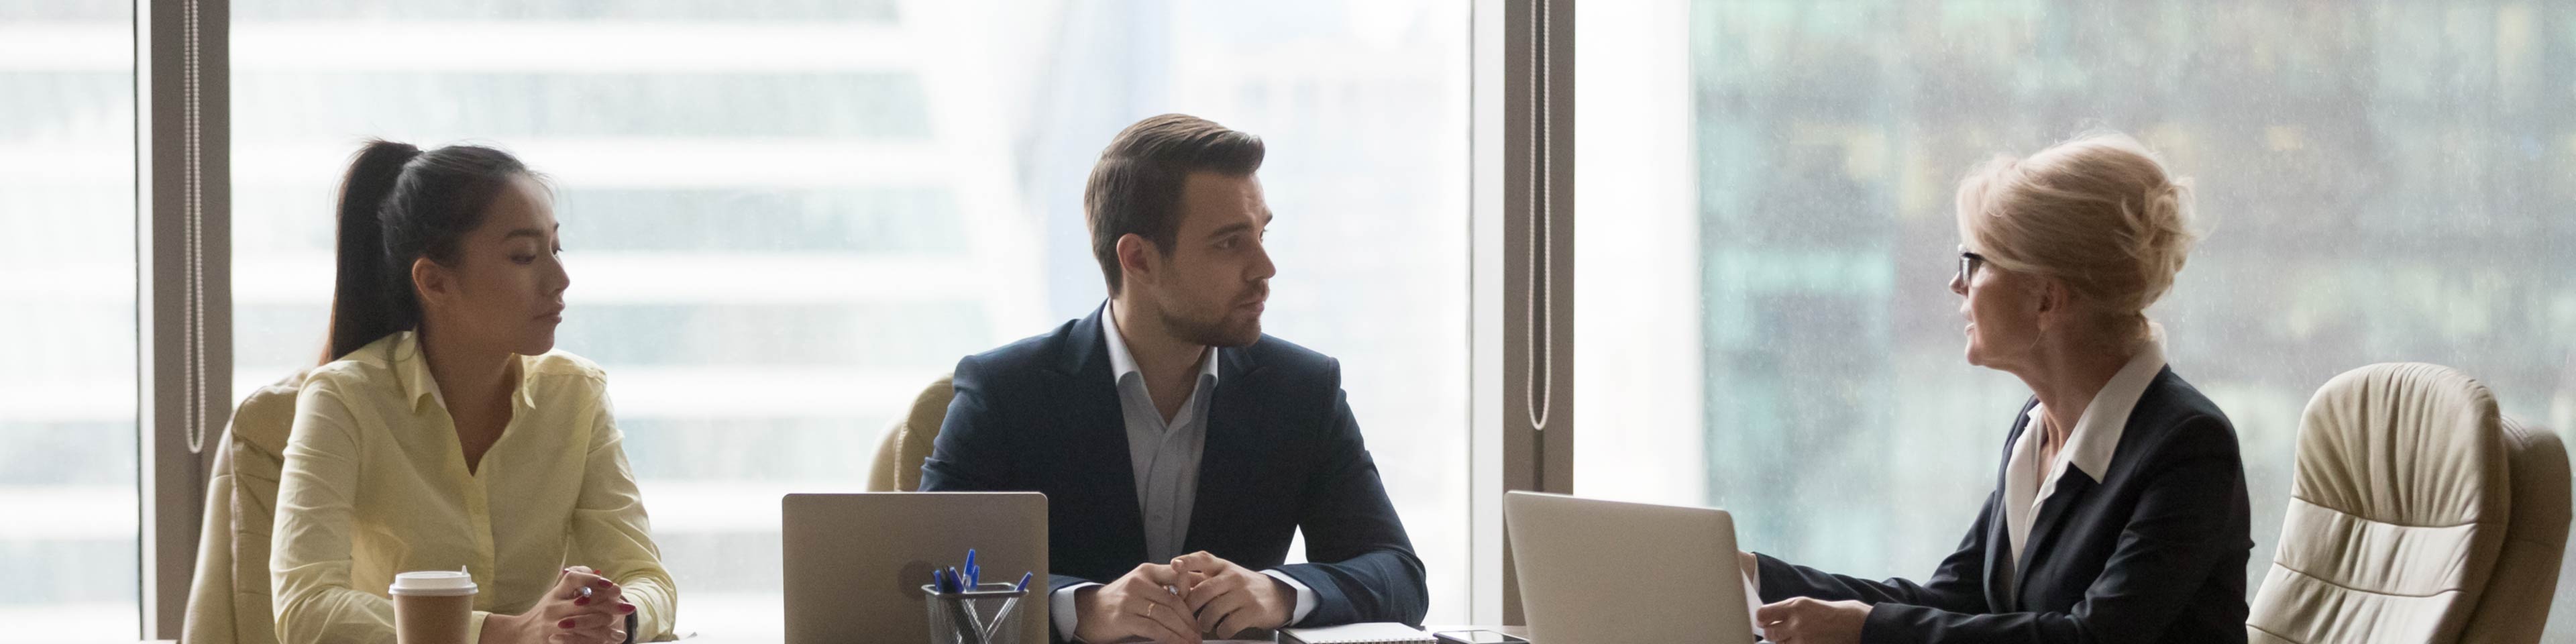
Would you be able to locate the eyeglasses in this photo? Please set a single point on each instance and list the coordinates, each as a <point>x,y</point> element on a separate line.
<point>1968,263</point>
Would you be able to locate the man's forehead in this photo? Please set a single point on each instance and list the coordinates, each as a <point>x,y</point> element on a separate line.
<point>1225,197</point>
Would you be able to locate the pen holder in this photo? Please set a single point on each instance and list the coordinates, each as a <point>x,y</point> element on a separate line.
<point>989,614</point>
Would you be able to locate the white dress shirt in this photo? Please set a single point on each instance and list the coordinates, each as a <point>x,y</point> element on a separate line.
<point>1166,458</point>
<point>2089,447</point>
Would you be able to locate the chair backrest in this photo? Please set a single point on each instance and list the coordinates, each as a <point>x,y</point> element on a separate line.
<point>2526,573</point>
<point>897,466</point>
<point>2398,507</point>
<point>228,601</point>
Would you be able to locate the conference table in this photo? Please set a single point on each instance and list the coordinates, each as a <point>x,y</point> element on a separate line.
<point>718,638</point>
<point>714,638</point>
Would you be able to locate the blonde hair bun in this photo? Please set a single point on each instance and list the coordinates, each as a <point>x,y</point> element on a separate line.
<point>2098,213</point>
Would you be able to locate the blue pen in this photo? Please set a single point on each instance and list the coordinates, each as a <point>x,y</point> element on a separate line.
<point>973,577</point>
<point>1024,582</point>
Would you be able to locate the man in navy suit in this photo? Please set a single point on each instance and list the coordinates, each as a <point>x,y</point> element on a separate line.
<point>1181,449</point>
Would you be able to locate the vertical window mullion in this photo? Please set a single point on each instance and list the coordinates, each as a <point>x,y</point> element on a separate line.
<point>183,286</point>
<point>1522,321</point>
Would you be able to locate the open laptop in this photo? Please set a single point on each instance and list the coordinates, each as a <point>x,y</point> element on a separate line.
<point>1607,571</point>
<point>856,562</point>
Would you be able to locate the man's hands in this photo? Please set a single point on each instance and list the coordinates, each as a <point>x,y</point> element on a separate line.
<point>1138,604</point>
<point>1229,598</point>
<point>1195,596</point>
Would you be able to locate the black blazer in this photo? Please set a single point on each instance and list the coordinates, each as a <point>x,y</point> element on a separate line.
<point>2153,551</point>
<point>1282,453</point>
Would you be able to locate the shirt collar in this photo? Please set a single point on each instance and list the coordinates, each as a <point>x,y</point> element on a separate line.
<point>1122,362</point>
<point>2097,433</point>
<point>421,389</point>
<point>412,370</point>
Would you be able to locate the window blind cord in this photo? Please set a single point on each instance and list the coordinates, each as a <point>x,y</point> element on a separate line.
<point>1540,381</point>
<point>192,309</point>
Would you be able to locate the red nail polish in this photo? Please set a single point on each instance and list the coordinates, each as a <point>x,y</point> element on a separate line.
<point>585,601</point>
<point>567,623</point>
<point>625,608</point>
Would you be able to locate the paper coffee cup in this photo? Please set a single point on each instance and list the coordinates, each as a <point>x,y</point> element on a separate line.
<point>432,606</point>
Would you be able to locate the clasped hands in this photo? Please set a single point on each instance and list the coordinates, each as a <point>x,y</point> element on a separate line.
<point>1196,596</point>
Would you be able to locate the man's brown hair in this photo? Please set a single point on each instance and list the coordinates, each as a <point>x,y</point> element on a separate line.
<point>1136,187</point>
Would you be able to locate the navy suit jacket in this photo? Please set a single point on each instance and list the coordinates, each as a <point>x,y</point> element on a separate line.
<point>2153,551</point>
<point>1282,453</point>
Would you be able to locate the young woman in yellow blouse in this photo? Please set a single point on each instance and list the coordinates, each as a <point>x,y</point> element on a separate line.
<point>444,431</point>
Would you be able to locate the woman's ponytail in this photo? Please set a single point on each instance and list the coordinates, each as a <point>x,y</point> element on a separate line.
<point>362,298</point>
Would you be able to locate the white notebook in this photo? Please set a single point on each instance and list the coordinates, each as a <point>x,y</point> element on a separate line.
<point>1369,633</point>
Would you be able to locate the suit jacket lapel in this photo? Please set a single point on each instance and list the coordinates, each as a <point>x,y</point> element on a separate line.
<point>1096,433</point>
<point>2000,576</point>
<point>1230,454</point>
<point>1999,573</point>
<point>2052,514</point>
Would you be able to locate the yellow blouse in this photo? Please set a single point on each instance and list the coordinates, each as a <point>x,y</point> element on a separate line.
<point>375,484</point>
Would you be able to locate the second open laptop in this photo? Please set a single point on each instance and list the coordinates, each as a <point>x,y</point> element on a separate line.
<point>1608,571</point>
<point>856,562</point>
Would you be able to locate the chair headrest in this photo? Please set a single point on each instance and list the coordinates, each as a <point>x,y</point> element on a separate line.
<point>267,415</point>
<point>2404,443</point>
<point>921,429</point>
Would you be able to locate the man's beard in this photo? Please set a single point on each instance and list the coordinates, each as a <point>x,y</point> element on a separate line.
<point>1212,331</point>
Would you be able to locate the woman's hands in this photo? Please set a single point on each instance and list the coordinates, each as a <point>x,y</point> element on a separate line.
<point>1803,620</point>
<point>564,616</point>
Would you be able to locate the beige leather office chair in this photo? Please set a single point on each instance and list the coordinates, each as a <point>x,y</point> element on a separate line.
<point>897,467</point>
<point>228,601</point>
<point>2526,574</point>
<point>2401,504</point>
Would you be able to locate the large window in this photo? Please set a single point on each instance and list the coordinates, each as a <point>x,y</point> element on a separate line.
<point>67,291</point>
<point>782,220</point>
<point>1769,183</point>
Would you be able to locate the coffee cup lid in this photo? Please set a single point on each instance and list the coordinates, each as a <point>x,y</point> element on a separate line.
<point>433,582</point>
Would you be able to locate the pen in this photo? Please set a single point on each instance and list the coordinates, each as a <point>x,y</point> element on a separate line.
<point>1024,582</point>
<point>973,577</point>
<point>1000,616</point>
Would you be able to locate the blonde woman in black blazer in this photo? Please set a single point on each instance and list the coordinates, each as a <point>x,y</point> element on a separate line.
<point>2119,512</point>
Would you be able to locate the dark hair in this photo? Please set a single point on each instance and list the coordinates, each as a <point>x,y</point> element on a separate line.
<point>397,205</point>
<point>1136,187</point>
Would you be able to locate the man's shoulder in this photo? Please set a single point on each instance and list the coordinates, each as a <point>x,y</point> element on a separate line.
<point>1289,367</point>
<point>1041,352</point>
<point>1275,353</point>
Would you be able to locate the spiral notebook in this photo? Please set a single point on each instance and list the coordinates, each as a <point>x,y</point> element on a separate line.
<point>1370,633</point>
